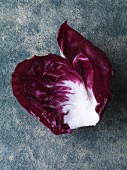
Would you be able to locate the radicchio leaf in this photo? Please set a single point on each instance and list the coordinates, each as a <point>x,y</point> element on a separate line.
<point>38,84</point>
<point>91,62</point>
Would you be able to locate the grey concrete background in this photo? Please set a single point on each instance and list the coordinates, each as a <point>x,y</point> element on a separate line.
<point>28,27</point>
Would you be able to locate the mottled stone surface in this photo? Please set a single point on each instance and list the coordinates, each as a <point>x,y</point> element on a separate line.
<point>28,27</point>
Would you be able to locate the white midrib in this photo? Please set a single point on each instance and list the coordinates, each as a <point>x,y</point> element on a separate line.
<point>80,107</point>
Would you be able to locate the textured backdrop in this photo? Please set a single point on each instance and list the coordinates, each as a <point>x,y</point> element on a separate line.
<point>29,27</point>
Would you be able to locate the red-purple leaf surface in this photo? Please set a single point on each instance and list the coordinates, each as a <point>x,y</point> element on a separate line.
<point>91,62</point>
<point>37,84</point>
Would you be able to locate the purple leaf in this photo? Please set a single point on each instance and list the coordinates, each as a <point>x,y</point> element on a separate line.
<point>38,84</point>
<point>91,63</point>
